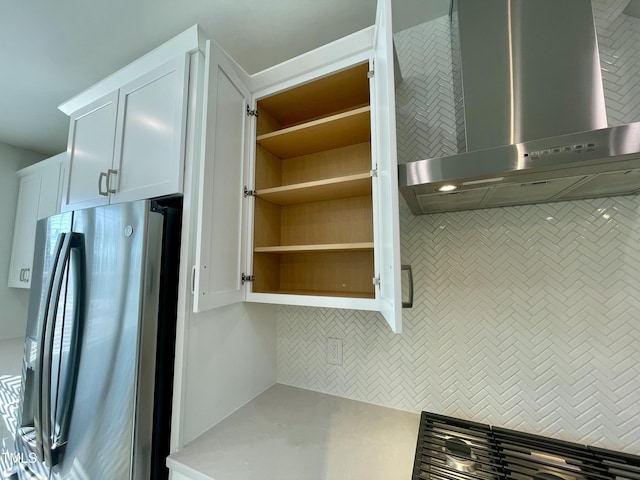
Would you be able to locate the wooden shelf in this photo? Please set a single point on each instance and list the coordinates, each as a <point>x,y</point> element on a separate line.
<point>342,272</point>
<point>319,190</point>
<point>322,293</point>
<point>336,131</point>
<point>328,247</point>
<point>324,96</point>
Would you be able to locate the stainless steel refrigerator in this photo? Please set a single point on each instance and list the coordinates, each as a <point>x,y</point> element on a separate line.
<point>98,364</point>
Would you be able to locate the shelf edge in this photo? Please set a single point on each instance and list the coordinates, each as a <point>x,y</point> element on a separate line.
<point>327,247</point>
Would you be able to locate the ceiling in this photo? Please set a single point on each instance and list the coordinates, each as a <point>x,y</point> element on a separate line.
<point>53,50</point>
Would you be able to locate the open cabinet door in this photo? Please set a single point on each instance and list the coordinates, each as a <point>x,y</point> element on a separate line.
<point>220,247</point>
<point>386,186</point>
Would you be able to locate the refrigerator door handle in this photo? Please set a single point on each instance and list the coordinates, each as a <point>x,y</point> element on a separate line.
<point>66,391</point>
<point>43,340</point>
<point>66,242</point>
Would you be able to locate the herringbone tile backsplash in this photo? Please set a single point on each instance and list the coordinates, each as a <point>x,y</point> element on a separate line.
<point>525,317</point>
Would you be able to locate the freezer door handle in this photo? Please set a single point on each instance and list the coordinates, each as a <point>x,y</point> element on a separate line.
<point>47,449</point>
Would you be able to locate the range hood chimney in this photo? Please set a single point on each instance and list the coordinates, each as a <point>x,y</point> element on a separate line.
<point>535,121</point>
<point>530,70</point>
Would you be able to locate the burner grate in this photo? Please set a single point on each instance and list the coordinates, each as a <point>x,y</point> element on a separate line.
<point>621,466</point>
<point>527,457</point>
<point>452,449</point>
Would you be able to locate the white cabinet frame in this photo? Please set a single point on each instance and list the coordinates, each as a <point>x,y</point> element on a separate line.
<point>224,249</point>
<point>39,197</point>
<point>130,143</point>
<point>150,134</point>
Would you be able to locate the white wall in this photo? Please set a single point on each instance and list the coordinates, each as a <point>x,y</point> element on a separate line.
<point>230,359</point>
<point>13,302</point>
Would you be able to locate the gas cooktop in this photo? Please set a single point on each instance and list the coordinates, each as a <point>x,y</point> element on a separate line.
<point>453,449</point>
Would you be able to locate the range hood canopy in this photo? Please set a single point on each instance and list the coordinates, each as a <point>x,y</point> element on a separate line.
<point>533,111</point>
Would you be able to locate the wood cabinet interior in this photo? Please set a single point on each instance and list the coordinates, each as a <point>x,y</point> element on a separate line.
<point>313,214</point>
<point>327,96</point>
<point>336,274</point>
<point>345,128</point>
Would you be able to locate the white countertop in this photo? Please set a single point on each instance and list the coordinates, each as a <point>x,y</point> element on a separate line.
<point>11,356</point>
<point>288,433</point>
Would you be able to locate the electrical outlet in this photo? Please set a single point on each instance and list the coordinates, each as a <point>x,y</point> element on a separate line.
<point>334,351</point>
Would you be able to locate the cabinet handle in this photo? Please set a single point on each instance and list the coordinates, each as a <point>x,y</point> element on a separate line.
<point>109,173</point>
<point>24,274</point>
<point>100,177</point>
<point>409,304</point>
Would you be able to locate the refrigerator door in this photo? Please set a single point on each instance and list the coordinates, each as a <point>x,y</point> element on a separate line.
<point>111,369</point>
<point>43,311</point>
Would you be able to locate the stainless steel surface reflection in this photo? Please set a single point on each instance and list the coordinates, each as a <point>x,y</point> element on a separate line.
<point>89,393</point>
<point>531,121</point>
<point>583,165</point>
<point>530,69</point>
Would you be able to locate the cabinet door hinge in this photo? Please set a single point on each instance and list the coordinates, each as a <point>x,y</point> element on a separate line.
<point>248,193</point>
<point>370,73</point>
<point>376,281</point>
<point>252,113</point>
<point>246,278</point>
<point>373,173</point>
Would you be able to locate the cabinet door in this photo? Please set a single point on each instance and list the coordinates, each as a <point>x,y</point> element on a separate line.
<point>63,178</point>
<point>52,174</point>
<point>385,191</point>
<point>220,238</point>
<point>24,232</point>
<point>90,147</point>
<point>150,137</point>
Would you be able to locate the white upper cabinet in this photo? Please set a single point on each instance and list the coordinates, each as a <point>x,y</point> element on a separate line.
<point>54,174</point>
<point>220,238</point>
<point>39,197</point>
<point>291,172</point>
<point>129,144</point>
<point>90,147</point>
<point>24,230</point>
<point>298,187</point>
<point>150,134</point>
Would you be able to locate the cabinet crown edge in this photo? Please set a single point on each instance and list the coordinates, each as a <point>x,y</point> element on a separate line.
<point>293,71</point>
<point>194,39</point>
<point>191,40</point>
<point>35,167</point>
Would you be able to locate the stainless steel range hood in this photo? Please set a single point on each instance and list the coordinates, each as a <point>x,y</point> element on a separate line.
<point>535,120</point>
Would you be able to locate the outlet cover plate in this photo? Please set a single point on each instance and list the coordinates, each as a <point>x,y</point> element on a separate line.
<point>334,351</point>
